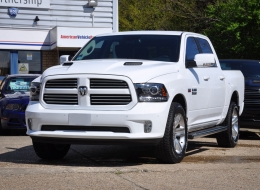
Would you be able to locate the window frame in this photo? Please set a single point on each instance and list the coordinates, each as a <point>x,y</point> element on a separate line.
<point>192,63</point>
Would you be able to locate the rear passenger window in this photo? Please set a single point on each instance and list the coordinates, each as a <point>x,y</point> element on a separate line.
<point>204,45</point>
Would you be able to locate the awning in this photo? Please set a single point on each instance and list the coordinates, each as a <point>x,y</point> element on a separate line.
<point>47,39</point>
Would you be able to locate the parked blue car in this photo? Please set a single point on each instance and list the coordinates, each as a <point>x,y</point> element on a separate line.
<point>14,98</point>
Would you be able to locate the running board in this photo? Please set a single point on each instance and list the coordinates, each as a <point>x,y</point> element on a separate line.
<point>205,132</point>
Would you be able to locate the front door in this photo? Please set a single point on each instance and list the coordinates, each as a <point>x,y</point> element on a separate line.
<point>198,88</point>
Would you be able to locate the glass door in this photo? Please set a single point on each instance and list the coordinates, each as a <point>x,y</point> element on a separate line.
<point>4,63</point>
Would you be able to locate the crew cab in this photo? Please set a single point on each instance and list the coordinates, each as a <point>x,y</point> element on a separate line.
<point>143,87</point>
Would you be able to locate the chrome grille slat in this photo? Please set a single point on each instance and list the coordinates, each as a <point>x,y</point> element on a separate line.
<point>62,83</point>
<point>65,103</point>
<point>110,99</point>
<point>64,99</point>
<point>107,83</point>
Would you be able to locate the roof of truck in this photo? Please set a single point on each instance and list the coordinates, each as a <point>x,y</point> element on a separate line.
<point>150,32</point>
<point>155,32</point>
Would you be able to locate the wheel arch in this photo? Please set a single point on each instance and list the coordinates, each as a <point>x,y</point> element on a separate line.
<point>180,98</point>
<point>235,98</point>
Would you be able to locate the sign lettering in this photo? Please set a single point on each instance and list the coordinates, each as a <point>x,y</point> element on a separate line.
<point>26,3</point>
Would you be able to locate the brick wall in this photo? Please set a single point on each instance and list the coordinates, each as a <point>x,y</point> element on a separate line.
<point>49,58</point>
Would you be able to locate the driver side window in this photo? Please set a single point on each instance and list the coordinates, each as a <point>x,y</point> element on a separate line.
<point>191,49</point>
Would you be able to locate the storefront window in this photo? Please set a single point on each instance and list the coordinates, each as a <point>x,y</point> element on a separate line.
<point>4,63</point>
<point>33,59</point>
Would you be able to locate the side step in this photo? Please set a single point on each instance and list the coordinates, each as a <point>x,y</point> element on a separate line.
<point>205,132</point>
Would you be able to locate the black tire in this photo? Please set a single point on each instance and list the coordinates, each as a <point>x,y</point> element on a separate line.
<point>230,137</point>
<point>4,132</point>
<point>172,147</point>
<point>50,151</point>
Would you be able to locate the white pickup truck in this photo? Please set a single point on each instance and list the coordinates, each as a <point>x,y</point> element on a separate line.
<point>147,87</point>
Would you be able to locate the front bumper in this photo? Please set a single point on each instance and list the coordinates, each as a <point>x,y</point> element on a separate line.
<point>13,120</point>
<point>133,119</point>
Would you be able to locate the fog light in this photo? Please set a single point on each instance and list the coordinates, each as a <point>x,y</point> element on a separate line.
<point>29,121</point>
<point>147,126</point>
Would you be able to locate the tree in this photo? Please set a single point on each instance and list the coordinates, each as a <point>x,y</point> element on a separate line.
<point>235,31</point>
<point>189,15</point>
<point>142,15</point>
<point>185,15</point>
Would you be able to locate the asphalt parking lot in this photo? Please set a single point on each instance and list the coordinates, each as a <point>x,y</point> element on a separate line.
<point>206,166</point>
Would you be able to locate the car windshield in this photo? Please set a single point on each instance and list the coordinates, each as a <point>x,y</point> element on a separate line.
<point>249,69</point>
<point>18,84</point>
<point>147,47</point>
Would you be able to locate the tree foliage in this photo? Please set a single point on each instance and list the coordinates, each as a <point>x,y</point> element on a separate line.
<point>235,31</point>
<point>232,25</point>
<point>142,15</point>
<point>189,15</point>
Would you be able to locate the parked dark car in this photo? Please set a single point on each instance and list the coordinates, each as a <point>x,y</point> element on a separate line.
<point>14,98</point>
<point>251,71</point>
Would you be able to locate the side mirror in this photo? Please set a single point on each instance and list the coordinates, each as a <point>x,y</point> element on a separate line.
<point>205,60</point>
<point>64,58</point>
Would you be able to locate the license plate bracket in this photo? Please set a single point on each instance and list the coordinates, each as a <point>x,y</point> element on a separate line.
<point>80,119</point>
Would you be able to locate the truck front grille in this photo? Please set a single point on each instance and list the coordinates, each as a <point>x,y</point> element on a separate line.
<point>62,99</point>
<point>88,92</point>
<point>252,98</point>
<point>107,84</point>
<point>62,83</point>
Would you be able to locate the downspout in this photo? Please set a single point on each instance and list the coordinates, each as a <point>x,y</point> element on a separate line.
<point>115,15</point>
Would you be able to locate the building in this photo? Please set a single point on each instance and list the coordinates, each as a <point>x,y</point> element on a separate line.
<point>35,33</point>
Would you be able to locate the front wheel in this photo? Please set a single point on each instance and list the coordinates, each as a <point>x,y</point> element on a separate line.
<point>50,151</point>
<point>172,147</point>
<point>4,132</point>
<point>230,137</point>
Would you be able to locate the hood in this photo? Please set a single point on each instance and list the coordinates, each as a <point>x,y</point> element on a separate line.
<point>137,73</point>
<point>18,95</point>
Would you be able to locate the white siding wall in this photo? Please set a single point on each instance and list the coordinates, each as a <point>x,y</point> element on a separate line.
<point>66,13</point>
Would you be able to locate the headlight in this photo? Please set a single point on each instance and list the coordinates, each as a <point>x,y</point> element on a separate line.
<point>151,92</point>
<point>35,91</point>
<point>12,106</point>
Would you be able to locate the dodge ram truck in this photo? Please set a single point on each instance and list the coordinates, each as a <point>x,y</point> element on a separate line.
<point>143,87</point>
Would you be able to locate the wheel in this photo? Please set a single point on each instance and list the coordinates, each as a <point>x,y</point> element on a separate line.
<point>230,137</point>
<point>50,151</point>
<point>4,131</point>
<point>172,147</point>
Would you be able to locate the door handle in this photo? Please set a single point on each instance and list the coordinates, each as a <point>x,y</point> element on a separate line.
<point>221,77</point>
<point>206,78</point>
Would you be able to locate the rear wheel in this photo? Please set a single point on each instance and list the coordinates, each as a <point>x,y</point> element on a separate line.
<point>173,146</point>
<point>230,137</point>
<point>50,151</point>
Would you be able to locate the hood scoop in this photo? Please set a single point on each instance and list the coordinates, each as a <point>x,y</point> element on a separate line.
<point>67,64</point>
<point>132,63</point>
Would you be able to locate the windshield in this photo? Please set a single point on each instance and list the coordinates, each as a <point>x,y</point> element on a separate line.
<point>18,84</point>
<point>148,47</point>
<point>249,69</point>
